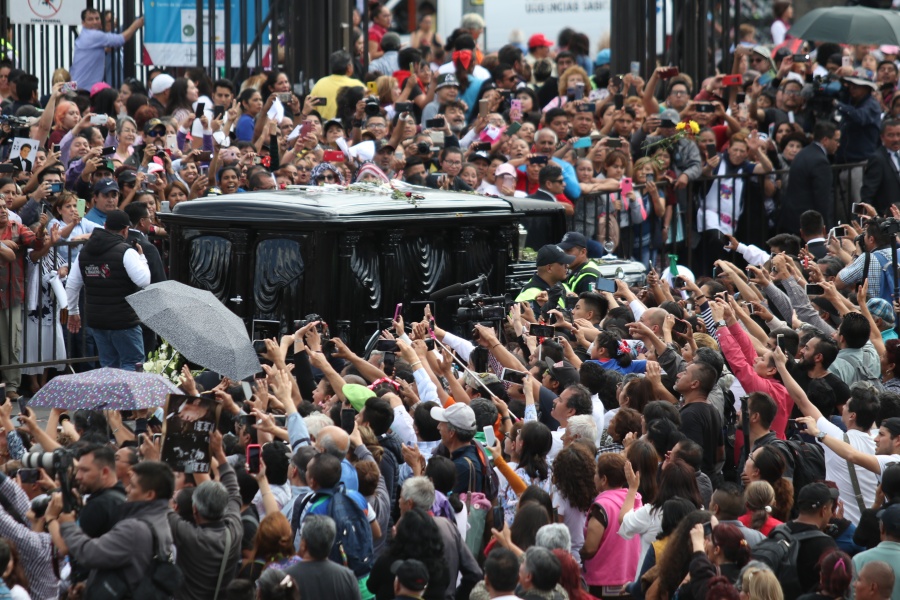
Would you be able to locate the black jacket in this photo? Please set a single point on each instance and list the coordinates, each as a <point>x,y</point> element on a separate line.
<point>540,229</point>
<point>106,282</point>
<point>154,260</point>
<point>881,182</point>
<point>809,188</point>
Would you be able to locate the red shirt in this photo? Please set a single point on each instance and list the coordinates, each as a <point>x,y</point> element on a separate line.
<point>12,274</point>
<point>771,523</point>
<point>376,32</point>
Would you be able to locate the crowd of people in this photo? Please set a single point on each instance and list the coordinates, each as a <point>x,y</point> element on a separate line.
<point>729,430</point>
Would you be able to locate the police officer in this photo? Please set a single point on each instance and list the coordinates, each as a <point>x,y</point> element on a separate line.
<point>551,272</point>
<point>583,271</point>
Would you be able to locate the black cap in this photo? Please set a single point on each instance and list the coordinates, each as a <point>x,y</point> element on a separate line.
<point>890,519</point>
<point>892,424</point>
<point>573,239</point>
<point>104,186</point>
<point>563,371</point>
<point>551,253</point>
<point>815,496</point>
<point>117,220</point>
<point>411,573</point>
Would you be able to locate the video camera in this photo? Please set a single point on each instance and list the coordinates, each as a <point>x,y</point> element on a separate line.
<point>889,226</point>
<point>481,307</point>
<point>373,106</point>
<point>824,90</point>
<point>59,463</point>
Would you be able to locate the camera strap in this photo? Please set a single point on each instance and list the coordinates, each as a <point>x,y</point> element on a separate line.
<point>464,367</point>
<point>224,562</point>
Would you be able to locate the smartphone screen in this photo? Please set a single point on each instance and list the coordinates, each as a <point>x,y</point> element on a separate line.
<point>253,462</point>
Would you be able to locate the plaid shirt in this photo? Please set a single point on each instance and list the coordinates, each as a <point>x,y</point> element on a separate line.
<point>12,274</point>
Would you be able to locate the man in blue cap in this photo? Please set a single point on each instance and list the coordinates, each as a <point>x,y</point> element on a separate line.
<point>106,199</point>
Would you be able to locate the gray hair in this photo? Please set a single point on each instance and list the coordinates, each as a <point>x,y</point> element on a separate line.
<point>547,131</point>
<point>485,411</point>
<point>554,536</point>
<point>471,21</point>
<point>318,532</point>
<point>330,446</point>
<point>121,123</point>
<point>315,422</point>
<point>582,427</point>
<point>543,566</point>
<point>210,499</point>
<point>419,491</point>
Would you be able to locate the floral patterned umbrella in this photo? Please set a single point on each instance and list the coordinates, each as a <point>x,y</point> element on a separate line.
<point>107,389</point>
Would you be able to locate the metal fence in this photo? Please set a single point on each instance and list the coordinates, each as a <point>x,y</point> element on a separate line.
<point>752,220</point>
<point>41,49</point>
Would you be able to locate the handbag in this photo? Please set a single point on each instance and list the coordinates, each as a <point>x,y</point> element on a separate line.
<point>165,577</point>
<point>477,514</point>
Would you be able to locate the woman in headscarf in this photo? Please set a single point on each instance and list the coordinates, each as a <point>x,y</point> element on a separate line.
<point>326,173</point>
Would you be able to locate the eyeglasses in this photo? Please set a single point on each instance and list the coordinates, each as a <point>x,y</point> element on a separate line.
<point>453,163</point>
<point>678,93</point>
<point>791,92</point>
<point>304,169</point>
<point>376,126</point>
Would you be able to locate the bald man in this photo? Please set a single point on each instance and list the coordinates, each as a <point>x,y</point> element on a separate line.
<point>335,441</point>
<point>875,581</point>
<point>654,318</point>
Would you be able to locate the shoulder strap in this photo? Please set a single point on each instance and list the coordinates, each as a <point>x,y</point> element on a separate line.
<point>224,562</point>
<point>156,549</point>
<point>471,489</point>
<point>854,480</point>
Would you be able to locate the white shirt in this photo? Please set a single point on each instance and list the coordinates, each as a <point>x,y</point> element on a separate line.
<point>836,469</point>
<point>574,520</point>
<point>643,521</point>
<point>598,413</point>
<point>135,266</point>
<point>884,461</point>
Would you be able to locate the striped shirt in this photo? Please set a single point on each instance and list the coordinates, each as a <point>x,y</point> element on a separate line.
<point>35,549</point>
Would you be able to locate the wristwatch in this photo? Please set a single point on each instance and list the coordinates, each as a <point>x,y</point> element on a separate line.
<point>721,323</point>
<point>821,436</point>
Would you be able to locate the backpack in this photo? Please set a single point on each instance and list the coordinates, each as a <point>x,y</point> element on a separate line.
<point>353,542</point>
<point>729,429</point>
<point>809,462</point>
<point>887,277</point>
<point>162,580</point>
<point>164,576</point>
<point>490,485</point>
<point>779,551</point>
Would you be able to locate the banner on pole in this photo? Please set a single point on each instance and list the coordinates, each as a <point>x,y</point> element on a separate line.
<point>170,33</point>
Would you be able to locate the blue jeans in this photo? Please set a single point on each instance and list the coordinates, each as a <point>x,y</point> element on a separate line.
<point>119,348</point>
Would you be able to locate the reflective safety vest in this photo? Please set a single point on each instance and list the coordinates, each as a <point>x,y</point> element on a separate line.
<point>589,269</point>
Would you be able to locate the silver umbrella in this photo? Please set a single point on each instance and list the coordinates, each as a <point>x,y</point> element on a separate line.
<point>199,326</point>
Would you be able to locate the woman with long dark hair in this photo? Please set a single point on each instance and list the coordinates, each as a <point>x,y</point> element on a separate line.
<point>677,480</point>
<point>532,445</point>
<point>674,564</point>
<point>417,536</point>
<point>182,96</point>
<point>723,552</point>
<point>673,511</point>
<point>251,105</point>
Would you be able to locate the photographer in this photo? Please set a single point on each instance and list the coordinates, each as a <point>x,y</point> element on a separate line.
<point>126,551</point>
<point>34,544</point>
<point>878,253</point>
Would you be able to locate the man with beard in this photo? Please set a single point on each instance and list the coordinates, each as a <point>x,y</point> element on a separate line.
<point>816,355</point>
<point>455,114</point>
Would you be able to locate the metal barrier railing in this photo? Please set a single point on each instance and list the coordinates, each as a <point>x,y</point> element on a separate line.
<point>745,205</point>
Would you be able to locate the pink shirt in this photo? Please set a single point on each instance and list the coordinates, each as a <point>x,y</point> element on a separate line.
<point>738,349</point>
<point>616,561</point>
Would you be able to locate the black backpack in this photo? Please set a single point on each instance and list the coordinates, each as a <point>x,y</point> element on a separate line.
<point>809,462</point>
<point>780,551</point>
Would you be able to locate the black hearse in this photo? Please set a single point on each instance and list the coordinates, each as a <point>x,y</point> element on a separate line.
<point>347,255</point>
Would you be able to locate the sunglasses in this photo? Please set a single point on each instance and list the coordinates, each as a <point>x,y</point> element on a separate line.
<point>156,133</point>
<point>329,178</point>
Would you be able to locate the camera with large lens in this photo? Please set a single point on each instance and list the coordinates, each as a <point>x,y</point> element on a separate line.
<point>481,307</point>
<point>889,226</point>
<point>59,464</point>
<point>373,107</point>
